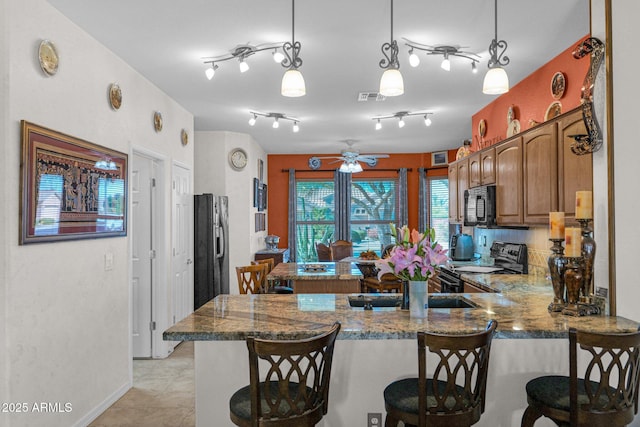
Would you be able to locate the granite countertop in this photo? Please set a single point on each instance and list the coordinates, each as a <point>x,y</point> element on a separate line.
<point>317,271</point>
<point>520,307</point>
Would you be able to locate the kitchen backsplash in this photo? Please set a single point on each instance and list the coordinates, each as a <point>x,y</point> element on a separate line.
<point>536,239</point>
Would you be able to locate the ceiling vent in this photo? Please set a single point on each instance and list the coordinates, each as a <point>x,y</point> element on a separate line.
<point>370,96</point>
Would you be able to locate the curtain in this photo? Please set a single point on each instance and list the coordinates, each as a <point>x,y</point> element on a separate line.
<point>342,183</point>
<point>422,199</point>
<point>292,215</point>
<point>403,210</point>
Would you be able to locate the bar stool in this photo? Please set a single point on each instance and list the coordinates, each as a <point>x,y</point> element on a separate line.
<point>295,391</point>
<point>324,252</point>
<point>273,288</point>
<point>455,396</point>
<point>341,249</point>
<point>252,278</point>
<point>607,395</point>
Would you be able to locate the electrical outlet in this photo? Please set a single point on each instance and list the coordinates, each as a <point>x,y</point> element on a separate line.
<point>374,419</point>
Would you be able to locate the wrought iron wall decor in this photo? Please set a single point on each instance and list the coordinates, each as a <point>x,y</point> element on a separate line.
<point>592,97</point>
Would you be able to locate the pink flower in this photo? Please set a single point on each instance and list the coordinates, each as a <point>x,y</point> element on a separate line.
<point>415,255</point>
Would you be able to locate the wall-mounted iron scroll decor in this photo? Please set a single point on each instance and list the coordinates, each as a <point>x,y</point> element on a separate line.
<point>592,98</point>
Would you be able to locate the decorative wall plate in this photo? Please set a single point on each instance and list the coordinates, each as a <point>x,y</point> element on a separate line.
<point>511,114</point>
<point>482,128</point>
<point>115,96</point>
<point>513,128</point>
<point>157,121</point>
<point>184,137</point>
<point>558,85</point>
<point>554,110</point>
<point>48,57</point>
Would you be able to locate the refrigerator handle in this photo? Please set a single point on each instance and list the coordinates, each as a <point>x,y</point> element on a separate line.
<point>221,237</point>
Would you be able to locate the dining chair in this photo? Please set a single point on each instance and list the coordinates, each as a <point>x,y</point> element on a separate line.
<point>323,251</point>
<point>606,395</point>
<point>272,287</point>
<point>455,396</point>
<point>252,278</point>
<point>293,390</point>
<point>341,249</point>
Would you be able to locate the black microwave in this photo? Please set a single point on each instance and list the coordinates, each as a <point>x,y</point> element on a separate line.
<point>480,206</point>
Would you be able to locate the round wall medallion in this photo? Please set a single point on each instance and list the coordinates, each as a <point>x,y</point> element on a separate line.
<point>48,57</point>
<point>557,85</point>
<point>238,158</point>
<point>184,137</point>
<point>115,96</point>
<point>157,121</point>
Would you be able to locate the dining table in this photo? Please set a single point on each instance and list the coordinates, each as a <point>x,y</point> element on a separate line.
<point>319,277</point>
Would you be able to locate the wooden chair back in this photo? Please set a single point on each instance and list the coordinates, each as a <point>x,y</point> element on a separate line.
<point>611,378</point>
<point>341,249</point>
<point>252,278</point>
<point>324,252</point>
<point>457,393</point>
<point>269,261</point>
<point>295,382</point>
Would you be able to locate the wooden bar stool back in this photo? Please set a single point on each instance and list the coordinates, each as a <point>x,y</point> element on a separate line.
<point>323,251</point>
<point>273,287</point>
<point>252,278</point>
<point>607,395</point>
<point>455,396</point>
<point>295,388</point>
<point>341,249</point>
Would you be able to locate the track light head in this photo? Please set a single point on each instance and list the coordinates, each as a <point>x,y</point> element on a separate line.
<point>244,67</point>
<point>276,124</point>
<point>252,120</point>
<point>427,120</point>
<point>474,68</point>
<point>400,122</point>
<point>210,72</point>
<point>296,128</point>
<point>378,125</point>
<point>278,56</point>
<point>414,60</point>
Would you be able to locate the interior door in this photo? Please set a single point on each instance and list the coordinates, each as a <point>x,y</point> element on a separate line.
<point>182,244</point>
<point>141,254</point>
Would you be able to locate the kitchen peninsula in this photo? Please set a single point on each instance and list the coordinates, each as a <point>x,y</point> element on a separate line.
<point>320,277</point>
<point>378,346</point>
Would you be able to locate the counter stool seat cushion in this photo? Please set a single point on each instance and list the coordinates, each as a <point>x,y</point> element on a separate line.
<point>240,402</point>
<point>402,395</point>
<point>553,391</point>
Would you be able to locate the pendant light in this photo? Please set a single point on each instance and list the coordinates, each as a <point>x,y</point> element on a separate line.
<point>496,81</point>
<point>391,83</point>
<point>292,81</point>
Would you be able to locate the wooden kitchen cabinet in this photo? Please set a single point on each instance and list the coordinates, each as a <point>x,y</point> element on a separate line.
<point>482,168</point>
<point>540,173</point>
<point>575,173</point>
<point>458,183</point>
<point>509,188</point>
<point>433,285</point>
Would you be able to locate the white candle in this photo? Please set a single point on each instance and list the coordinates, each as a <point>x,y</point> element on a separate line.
<point>573,242</point>
<point>556,225</point>
<point>584,205</point>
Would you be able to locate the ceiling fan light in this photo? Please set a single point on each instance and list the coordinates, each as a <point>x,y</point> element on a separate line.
<point>293,84</point>
<point>391,83</point>
<point>344,168</point>
<point>496,81</point>
<point>356,167</point>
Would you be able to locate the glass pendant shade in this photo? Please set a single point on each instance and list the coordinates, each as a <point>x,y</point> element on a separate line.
<point>391,83</point>
<point>293,84</point>
<point>350,167</point>
<point>496,81</point>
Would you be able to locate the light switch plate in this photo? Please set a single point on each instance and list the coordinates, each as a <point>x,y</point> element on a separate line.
<point>108,261</point>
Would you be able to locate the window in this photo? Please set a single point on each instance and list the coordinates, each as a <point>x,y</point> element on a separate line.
<point>374,204</point>
<point>438,217</point>
<point>315,217</point>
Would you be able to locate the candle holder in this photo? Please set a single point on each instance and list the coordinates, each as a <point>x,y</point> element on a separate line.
<point>557,263</point>
<point>573,281</point>
<point>588,248</point>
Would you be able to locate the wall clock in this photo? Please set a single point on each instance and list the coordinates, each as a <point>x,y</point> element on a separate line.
<point>238,158</point>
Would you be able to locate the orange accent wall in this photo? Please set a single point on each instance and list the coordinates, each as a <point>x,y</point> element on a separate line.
<point>531,97</point>
<point>278,182</point>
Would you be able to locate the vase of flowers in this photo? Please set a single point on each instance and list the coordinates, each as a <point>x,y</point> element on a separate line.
<point>413,259</point>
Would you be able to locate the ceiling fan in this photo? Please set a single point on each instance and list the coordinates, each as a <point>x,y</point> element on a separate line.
<point>350,158</point>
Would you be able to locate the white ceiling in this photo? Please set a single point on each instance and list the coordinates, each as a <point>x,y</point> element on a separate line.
<point>165,40</point>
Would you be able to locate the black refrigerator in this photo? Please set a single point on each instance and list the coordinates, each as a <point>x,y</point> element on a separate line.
<point>211,248</point>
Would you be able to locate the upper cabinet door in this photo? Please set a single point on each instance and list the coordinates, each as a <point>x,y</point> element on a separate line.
<point>488,166</point>
<point>575,173</point>
<point>540,173</point>
<point>463,185</point>
<point>509,182</point>
<point>453,193</point>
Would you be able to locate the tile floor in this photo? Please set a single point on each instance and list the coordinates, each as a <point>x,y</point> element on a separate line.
<point>163,394</point>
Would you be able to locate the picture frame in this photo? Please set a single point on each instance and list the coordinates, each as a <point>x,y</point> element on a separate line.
<point>260,222</point>
<point>260,170</point>
<point>256,191</point>
<point>261,202</point>
<point>70,188</point>
<point>439,158</point>
<point>264,197</point>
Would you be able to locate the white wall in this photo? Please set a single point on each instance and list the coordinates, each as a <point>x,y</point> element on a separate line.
<point>214,175</point>
<point>66,319</point>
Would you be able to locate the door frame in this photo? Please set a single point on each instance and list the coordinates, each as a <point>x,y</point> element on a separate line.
<point>159,286</point>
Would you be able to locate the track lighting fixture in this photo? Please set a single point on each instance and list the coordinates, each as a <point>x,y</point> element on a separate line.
<point>496,81</point>
<point>391,83</point>
<point>241,53</point>
<point>400,115</point>
<point>444,50</point>
<point>276,119</point>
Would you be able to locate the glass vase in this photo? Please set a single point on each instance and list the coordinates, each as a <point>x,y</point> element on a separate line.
<point>418,299</point>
